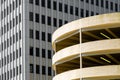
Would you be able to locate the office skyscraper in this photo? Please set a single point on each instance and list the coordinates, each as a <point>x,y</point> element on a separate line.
<point>25,33</point>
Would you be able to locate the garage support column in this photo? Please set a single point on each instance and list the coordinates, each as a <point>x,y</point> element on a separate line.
<point>55,52</point>
<point>80,38</point>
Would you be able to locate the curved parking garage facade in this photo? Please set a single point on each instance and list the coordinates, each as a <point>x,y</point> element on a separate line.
<point>88,49</point>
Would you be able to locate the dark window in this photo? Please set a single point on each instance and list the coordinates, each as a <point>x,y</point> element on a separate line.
<point>7,58</point>
<point>49,4</point>
<point>10,73</point>
<point>13,5</point>
<point>49,37</point>
<point>10,24</point>
<point>4,60</point>
<point>102,3</point>
<point>37,69</point>
<point>4,28</point>
<point>54,22</point>
<point>16,20</point>
<point>76,11</point>
<point>10,40</point>
<point>10,8</point>
<point>49,71</point>
<point>43,70</point>
<point>31,34</point>
<point>37,18</point>
<point>2,46</point>
<point>10,57</point>
<point>19,2</point>
<point>43,53</point>
<point>43,19</point>
<point>31,1</point>
<point>19,17</point>
<point>5,75</point>
<point>20,69</point>
<point>54,5</point>
<point>31,68</point>
<point>71,9</point>
<point>43,3</point>
<point>16,3</point>
<point>111,5</point>
<point>66,8</point>
<point>60,22</point>
<point>7,26</point>
<point>87,13</point>
<point>1,15</point>
<point>17,70</point>
<point>37,2</point>
<point>19,34</point>
<point>92,13</point>
<point>31,16</point>
<point>7,10</point>
<point>7,42</point>
<point>13,72</point>
<point>82,13</point>
<point>37,35</point>
<point>13,22</point>
<point>49,54</point>
<point>13,55</point>
<point>97,2</point>
<point>37,52</point>
<point>82,0</point>
<point>107,5</point>
<point>43,36</point>
<point>16,36</point>
<point>60,7</point>
<point>31,51</point>
<point>13,38</point>
<point>49,20</point>
<point>65,22</point>
<point>92,1</point>
<point>1,1</point>
<point>16,53</point>
<point>20,51</point>
<point>116,7</point>
<point>87,1</point>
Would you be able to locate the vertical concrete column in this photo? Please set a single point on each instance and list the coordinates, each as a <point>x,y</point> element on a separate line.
<point>55,52</point>
<point>80,38</point>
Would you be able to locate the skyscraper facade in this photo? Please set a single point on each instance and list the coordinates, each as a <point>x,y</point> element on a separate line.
<point>25,33</point>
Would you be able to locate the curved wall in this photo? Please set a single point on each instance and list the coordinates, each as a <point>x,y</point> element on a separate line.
<point>97,57</point>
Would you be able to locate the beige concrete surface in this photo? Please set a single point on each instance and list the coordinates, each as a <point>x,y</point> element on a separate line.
<point>101,47</point>
<point>101,72</point>
<point>66,54</point>
<point>69,75</point>
<point>90,23</point>
<point>94,56</point>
